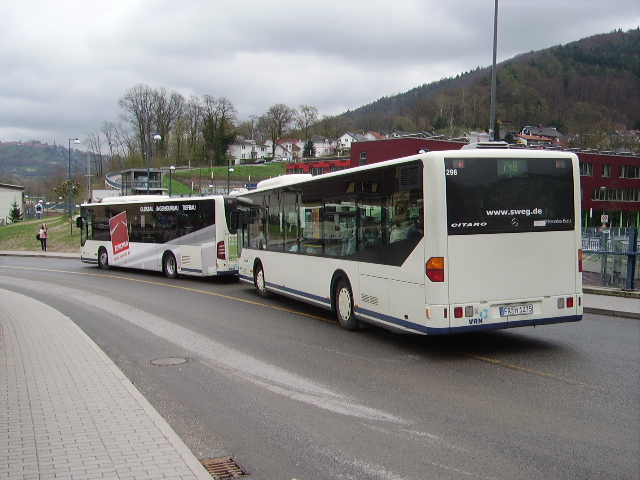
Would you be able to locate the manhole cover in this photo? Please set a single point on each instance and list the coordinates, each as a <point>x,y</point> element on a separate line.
<point>169,361</point>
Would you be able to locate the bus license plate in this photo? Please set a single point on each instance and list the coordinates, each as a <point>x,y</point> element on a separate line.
<point>516,310</point>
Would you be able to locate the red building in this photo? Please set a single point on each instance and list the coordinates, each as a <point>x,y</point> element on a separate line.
<point>610,184</point>
<point>610,189</point>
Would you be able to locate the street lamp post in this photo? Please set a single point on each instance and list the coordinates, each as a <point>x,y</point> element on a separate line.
<point>75,140</point>
<point>171,169</point>
<point>155,137</point>
<point>229,179</point>
<point>493,135</point>
<point>89,178</point>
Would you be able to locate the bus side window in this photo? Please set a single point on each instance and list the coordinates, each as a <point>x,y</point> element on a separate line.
<point>370,229</point>
<point>290,222</point>
<point>311,229</point>
<point>275,238</point>
<point>256,238</point>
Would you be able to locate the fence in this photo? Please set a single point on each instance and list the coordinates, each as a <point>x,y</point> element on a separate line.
<point>610,258</point>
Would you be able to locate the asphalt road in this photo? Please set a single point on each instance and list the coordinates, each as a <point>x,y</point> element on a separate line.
<point>282,389</point>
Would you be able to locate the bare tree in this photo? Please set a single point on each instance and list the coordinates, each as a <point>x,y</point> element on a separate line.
<point>151,110</point>
<point>117,142</point>
<point>193,117</point>
<point>248,129</point>
<point>307,116</point>
<point>169,107</point>
<point>277,122</point>
<point>95,143</point>
<point>139,107</point>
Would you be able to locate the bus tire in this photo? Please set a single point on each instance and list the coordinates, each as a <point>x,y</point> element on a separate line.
<point>170,266</point>
<point>103,258</point>
<point>259,281</point>
<point>344,306</point>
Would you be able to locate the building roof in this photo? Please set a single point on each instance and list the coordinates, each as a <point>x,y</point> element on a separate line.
<point>11,187</point>
<point>539,138</point>
<point>551,132</point>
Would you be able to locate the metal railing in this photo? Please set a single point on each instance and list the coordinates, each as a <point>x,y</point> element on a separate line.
<point>610,258</point>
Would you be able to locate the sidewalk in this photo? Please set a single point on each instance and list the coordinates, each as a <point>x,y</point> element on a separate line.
<point>66,410</point>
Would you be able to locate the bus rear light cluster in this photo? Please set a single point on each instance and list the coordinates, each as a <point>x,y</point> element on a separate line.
<point>459,312</point>
<point>568,302</point>
<point>580,260</point>
<point>435,269</point>
<point>221,251</point>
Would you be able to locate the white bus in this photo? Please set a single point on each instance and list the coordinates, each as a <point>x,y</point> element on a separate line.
<point>188,236</point>
<point>436,243</point>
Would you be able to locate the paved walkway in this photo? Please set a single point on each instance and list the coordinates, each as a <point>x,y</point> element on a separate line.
<point>66,410</point>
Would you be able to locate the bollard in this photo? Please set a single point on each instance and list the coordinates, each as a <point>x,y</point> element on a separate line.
<point>631,259</point>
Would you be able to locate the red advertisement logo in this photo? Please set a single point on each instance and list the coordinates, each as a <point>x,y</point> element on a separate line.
<point>119,235</point>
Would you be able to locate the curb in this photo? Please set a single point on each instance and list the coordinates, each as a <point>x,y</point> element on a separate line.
<point>20,253</point>
<point>611,313</point>
<point>612,292</point>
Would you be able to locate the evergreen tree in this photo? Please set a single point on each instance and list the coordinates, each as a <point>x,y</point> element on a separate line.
<point>15,215</point>
<point>309,149</point>
<point>222,139</point>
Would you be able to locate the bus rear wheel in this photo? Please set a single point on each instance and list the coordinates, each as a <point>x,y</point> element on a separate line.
<point>103,258</point>
<point>260,282</point>
<point>170,266</point>
<point>344,306</point>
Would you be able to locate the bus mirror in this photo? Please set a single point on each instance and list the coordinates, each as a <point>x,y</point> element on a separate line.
<point>79,222</point>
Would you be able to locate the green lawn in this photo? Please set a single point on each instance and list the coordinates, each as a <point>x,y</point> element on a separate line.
<point>62,236</point>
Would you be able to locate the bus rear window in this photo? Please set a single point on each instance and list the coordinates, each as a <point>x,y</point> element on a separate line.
<point>498,195</point>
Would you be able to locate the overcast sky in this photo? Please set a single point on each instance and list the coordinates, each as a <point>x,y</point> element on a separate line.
<point>64,64</point>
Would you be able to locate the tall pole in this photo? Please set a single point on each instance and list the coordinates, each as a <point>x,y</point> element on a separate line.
<point>171,169</point>
<point>155,137</point>
<point>88,178</point>
<point>492,121</point>
<point>75,140</point>
<point>148,161</point>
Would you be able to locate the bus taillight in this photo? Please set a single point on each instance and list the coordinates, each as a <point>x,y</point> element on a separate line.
<point>435,269</point>
<point>580,260</point>
<point>221,251</point>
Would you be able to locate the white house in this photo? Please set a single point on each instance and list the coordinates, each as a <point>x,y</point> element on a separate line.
<point>477,137</point>
<point>8,195</point>
<point>345,141</point>
<point>288,148</point>
<point>325,146</point>
<point>247,151</point>
<point>374,136</point>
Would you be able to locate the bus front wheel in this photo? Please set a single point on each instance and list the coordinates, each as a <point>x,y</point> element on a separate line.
<point>344,306</point>
<point>260,282</point>
<point>170,266</point>
<point>103,258</point>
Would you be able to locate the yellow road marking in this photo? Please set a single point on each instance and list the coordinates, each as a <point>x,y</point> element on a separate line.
<point>251,302</point>
<point>525,369</point>
<point>288,310</point>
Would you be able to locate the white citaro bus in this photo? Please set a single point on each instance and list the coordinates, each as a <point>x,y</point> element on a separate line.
<point>436,243</point>
<point>188,236</point>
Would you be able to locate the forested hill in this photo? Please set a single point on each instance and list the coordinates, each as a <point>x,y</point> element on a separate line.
<point>20,160</point>
<point>587,86</point>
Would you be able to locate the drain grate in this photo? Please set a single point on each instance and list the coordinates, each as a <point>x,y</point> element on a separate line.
<point>224,468</point>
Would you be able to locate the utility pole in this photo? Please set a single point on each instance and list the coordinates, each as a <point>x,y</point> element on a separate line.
<point>492,122</point>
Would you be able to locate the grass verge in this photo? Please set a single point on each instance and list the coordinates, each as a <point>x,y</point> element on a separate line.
<point>62,235</point>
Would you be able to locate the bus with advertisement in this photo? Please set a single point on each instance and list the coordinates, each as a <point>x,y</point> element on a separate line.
<point>177,236</point>
<point>435,243</point>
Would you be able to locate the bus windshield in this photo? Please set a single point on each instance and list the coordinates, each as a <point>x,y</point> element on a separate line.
<point>505,195</point>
